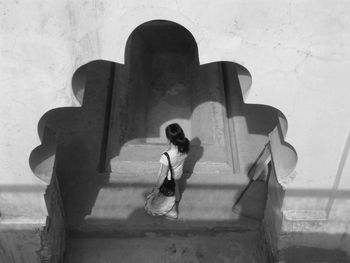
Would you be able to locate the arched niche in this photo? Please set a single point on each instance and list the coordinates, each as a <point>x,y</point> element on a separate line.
<point>162,82</point>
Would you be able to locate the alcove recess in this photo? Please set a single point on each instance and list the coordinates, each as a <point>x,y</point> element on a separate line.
<point>161,83</point>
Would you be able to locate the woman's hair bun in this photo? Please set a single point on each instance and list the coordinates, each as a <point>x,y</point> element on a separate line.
<point>176,136</point>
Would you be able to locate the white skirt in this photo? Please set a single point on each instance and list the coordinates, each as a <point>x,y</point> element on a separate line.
<point>158,204</point>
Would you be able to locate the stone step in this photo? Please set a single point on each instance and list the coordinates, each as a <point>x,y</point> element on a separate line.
<point>139,168</point>
<point>153,248</point>
<point>138,159</point>
<point>206,203</point>
<point>151,152</point>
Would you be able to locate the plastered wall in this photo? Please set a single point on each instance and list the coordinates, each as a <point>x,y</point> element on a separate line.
<point>296,51</point>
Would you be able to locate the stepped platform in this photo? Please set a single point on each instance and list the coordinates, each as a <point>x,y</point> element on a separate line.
<point>208,230</point>
<point>143,158</point>
<point>149,93</point>
<point>206,204</point>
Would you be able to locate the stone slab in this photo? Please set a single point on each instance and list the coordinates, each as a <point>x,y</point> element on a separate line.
<point>206,203</point>
<point>229,247</point>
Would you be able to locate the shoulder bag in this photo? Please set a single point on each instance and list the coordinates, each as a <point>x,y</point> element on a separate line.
<point>168,186</point>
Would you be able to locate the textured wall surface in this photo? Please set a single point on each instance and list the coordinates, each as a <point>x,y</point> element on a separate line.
<point>297,53</point>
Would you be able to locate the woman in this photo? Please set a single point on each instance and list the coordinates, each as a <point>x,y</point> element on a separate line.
<point>157,203</point>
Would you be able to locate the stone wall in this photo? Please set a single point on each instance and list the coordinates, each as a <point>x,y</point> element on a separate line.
<point>297,53</point>
<point>54,234</point>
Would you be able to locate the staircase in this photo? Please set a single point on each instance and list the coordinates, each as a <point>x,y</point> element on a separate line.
<point>106,218</point>
<point>207,230</point>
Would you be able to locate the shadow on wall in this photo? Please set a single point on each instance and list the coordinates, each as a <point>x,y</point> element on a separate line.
<point>77,133</point>
<point>195,154</point>
<point>75,137</point>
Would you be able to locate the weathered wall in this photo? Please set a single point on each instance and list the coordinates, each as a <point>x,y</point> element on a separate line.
<point>53,238</point>
<point>297,53</point>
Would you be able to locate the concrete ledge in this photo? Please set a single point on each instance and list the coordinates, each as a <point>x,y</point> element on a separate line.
<point>207,247</point>
<point>19,242</point>
<point>305,215</point>
<point>21,220</point>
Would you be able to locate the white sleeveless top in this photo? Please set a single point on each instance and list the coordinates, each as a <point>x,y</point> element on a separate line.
<point>177,161</point>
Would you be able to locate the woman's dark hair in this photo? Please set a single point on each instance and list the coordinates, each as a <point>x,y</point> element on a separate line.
<point>176,136</point>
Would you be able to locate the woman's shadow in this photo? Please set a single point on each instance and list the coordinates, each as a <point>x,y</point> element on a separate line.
<point>194,155</point>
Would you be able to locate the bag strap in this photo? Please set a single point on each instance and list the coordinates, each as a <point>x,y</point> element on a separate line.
<point>170,166</point>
